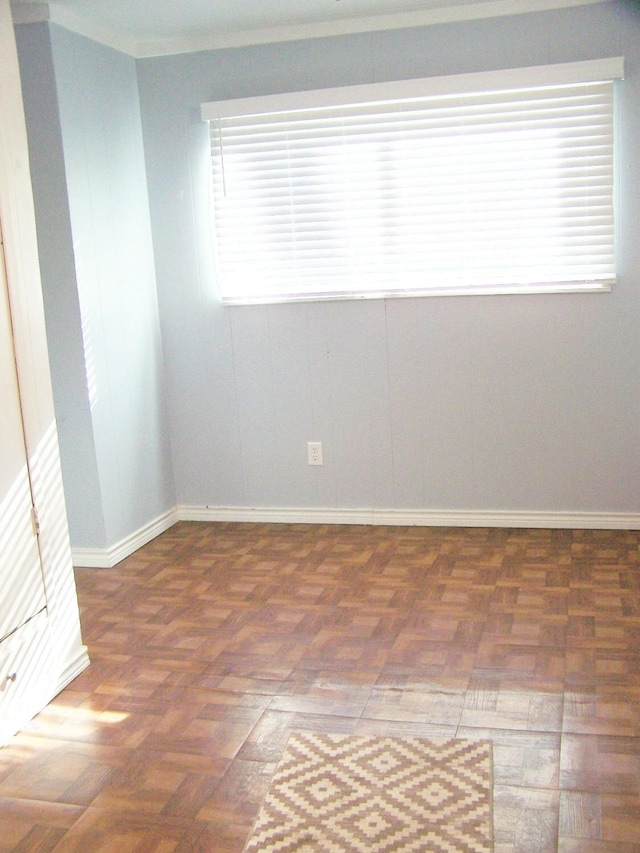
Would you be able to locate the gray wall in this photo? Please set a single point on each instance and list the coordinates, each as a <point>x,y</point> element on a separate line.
<point>471,403</point>
<point>99,283</point>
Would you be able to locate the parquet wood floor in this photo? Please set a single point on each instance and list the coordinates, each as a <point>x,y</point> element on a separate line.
<point>213,642</point>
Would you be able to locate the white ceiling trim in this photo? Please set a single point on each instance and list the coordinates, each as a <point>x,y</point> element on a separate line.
<point>33,13</point>
<point>30,12</point>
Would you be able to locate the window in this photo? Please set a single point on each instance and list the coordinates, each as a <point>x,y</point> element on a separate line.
<point>499,182</point>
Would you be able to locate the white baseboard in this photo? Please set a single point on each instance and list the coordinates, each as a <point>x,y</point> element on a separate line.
<point>73,668</point>
<point>415,517</point>
<point>106,558</point>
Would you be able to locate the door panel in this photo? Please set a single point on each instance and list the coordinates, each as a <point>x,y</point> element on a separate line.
<point>26,661</point>
<point>22,591</point>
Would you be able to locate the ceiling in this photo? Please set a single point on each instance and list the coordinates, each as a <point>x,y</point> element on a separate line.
<point>151,27</point>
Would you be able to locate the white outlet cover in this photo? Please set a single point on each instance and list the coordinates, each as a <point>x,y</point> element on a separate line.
<point>314,453</point>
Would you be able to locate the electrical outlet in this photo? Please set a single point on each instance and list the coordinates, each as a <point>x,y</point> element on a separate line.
<point>314,453</point>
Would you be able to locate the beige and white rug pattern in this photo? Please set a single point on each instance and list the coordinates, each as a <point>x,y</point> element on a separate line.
<point>351,794</point>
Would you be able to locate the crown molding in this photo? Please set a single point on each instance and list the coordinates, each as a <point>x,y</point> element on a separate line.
<point>447,13</point>
<point>29,13</point>
<point>25,11</point>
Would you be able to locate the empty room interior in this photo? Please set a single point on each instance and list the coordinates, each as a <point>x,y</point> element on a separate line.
<point>331,458</point>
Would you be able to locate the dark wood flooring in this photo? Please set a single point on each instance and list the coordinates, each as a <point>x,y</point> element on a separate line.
<point>213,642</point>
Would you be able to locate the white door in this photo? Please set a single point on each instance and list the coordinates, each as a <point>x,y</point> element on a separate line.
<point>22,593</point>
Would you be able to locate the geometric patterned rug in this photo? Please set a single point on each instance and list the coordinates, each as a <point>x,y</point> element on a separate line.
<point>352,794</point>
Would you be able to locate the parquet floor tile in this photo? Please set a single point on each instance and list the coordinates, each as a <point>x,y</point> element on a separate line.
<point>215,641</point>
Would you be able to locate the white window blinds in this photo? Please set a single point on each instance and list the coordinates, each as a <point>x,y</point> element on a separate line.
<point>496,182</point>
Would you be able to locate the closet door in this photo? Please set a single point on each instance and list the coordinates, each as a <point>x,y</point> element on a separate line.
<point>22,592</point>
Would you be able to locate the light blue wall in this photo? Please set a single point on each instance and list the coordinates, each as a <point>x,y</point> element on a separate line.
<point>105,338</point>
<point>486,403</point>
<point>59,286</point>
<point>102,141</point>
